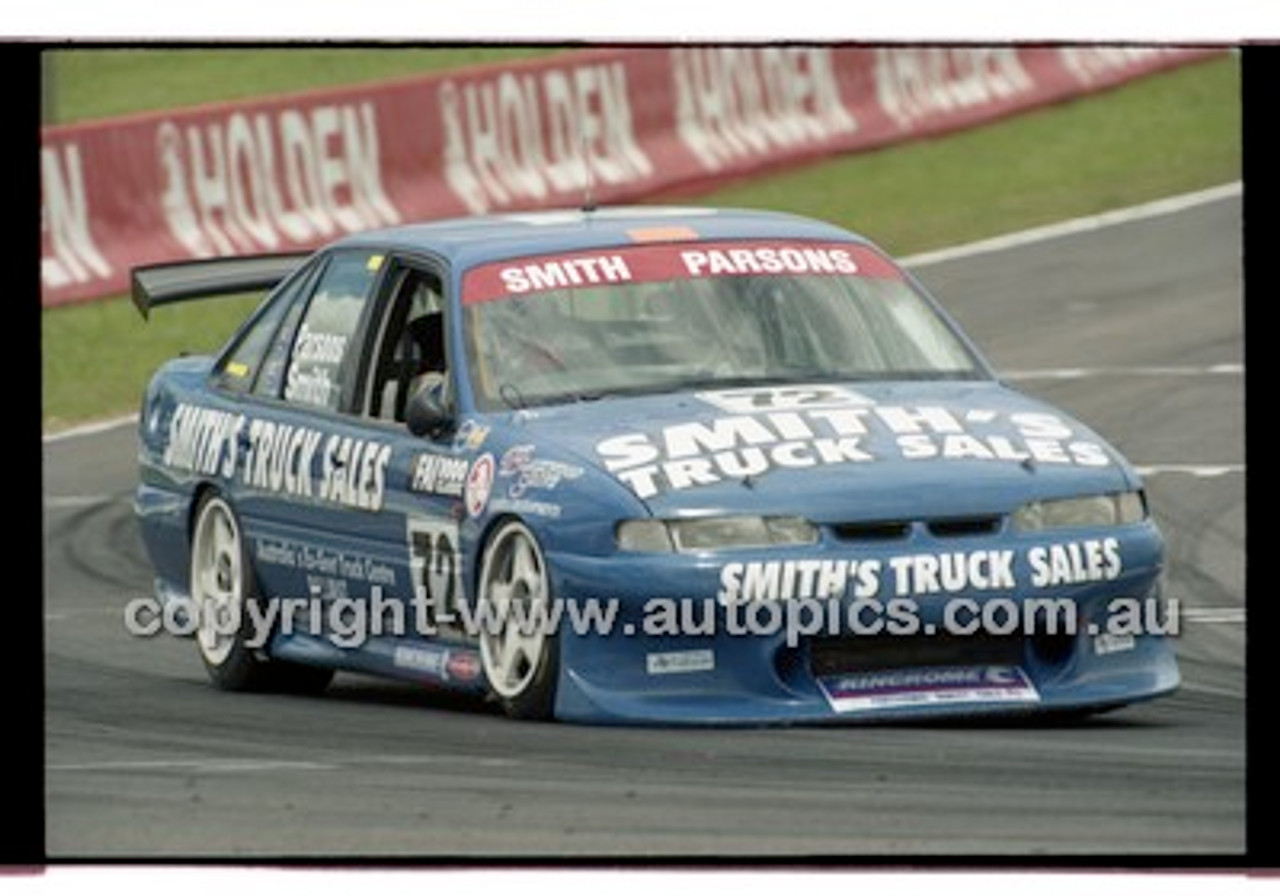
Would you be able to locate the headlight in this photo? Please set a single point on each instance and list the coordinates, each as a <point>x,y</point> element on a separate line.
<point>1083,512</point>
<point>714,533</point>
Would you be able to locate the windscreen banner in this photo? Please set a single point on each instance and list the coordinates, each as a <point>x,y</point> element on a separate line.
<point>597,126</point>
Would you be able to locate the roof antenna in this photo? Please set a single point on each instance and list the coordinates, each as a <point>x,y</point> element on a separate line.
<point>588,199</point>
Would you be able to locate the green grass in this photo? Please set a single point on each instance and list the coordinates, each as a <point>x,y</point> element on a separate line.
<point>1166,134</point>
<point>93,83</point>
<point>96,358</point>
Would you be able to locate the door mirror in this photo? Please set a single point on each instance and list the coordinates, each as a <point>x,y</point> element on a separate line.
<point>426,414</point>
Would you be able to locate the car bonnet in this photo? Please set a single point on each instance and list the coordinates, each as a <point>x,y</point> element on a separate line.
<point>834,451</point>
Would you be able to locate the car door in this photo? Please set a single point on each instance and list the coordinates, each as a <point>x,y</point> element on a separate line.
<point>409,353</point>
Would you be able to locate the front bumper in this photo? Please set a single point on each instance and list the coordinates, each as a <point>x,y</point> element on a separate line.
<point>1014,624</point>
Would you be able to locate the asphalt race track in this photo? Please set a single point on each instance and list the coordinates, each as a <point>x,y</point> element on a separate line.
<point>1136,328</point>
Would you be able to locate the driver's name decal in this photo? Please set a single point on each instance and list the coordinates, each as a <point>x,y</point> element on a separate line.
<point>588,270</point>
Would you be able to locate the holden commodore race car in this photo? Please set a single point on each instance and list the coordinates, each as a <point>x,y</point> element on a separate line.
<point>636,465</point>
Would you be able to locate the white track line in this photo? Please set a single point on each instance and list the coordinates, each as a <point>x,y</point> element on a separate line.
<point>90,429</point>
<point>1168,206</point>
<point>79,502</point>
<point>1213,614</point>
<point>1200,471</point>
<point>1077,373</point>
<point>1155,209</point>
<point>211,765</point>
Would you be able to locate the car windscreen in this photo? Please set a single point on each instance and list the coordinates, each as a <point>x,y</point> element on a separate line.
<point>670,317</point>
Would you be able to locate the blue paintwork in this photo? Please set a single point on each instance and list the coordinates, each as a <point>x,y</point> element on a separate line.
<point>755,679</point>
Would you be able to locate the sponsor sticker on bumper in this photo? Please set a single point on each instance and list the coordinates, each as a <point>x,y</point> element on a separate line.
<point>925,686</point>
<point>680,661</point>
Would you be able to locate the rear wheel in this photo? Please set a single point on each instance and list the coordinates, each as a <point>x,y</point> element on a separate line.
<point>222,587</point>
<point>519,652</point>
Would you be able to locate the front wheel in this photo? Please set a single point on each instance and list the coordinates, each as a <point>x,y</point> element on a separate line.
<point>518,650</point>
<point>222,589</point>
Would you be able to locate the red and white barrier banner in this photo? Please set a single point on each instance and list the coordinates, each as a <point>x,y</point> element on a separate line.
<point>291,172</point>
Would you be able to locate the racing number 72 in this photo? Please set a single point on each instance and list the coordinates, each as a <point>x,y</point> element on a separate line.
<point>434,569</point>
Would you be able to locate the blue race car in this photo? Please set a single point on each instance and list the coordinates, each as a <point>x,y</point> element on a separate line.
<point>636,465</point>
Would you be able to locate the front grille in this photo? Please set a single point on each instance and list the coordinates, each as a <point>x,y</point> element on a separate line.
<point>883,531</point>
<point>892,530</point>
<point>839,655</point>
<point>960,528</point>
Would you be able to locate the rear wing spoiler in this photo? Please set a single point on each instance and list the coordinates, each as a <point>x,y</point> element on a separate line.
<point>180,281</point>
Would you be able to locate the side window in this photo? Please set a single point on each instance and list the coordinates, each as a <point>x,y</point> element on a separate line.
<point>324,351</point>
<point>411,345</point>
<point>271,380</point>
<point>249,360</point>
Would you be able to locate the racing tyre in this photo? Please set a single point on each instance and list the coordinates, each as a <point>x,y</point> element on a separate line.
<point>519,654</point>
<point>222,586</point>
